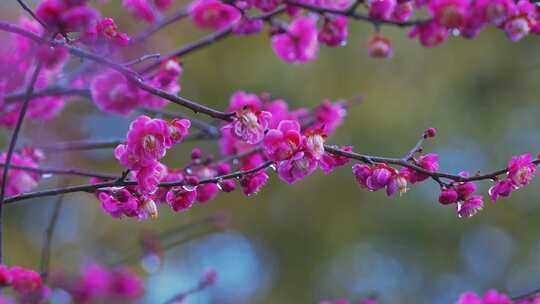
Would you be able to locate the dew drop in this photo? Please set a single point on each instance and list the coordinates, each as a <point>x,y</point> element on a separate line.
<point>46,175</point>
<point>189,188</point>
<point>219,186</point>
<point>189,171</point>
<point>273,167</point>
<point>151,263</point>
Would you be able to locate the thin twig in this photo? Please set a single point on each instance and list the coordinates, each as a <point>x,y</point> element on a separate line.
<point>13,143</point>
<point>60,171</point>
<point>48,237</point>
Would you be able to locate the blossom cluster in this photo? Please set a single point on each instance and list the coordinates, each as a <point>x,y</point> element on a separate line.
<point>27,284</point>
<point>494,297</point>
<point>99,284</point>
<point>521,170</point>
<point>147,143</point>
<point>112,92</point>
<point>299,41</point>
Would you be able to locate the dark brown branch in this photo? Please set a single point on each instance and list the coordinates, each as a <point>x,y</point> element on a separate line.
<point>121,183</point>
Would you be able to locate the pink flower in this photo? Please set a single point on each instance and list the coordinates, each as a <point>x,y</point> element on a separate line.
<point>300,165</point>
<point>248,26</point>
<point>5,276</point>
<point>166,79</point>
<point>521,170</point>
<point>465,190</point>
<point>330,161</point>
<point>213,14</point>
<point>430,34</point>
<point>403,11</point>
<point>330,116</point>
<point>380,177</point>
<point>491,297</point>
<point>207,192</point>
<point>380,47</point>
<point>332,4</point>
<point>521,19</point>
<point>429,162</point>
<point>314,143</point>
<point>283,142</point>
<point>178,130</point>
<point>19,181</point>
<point>334,31</point>
<point>105,36</point>
<point>250,125</point>
<point>141,9</point>
<point>25,281</point>
<point>450,13</point>
<point>181,198</point>
<point>494,11</point>
<point>66,17</point>
<point>381,9</point>
<point>112,93</point>
<point>267,5</point>
<point>163,5</point>
<point>147,140</point>
<point>126,285</point>
<point>149,177</point>
<point>501,189</point>
<point>397,184</point>
<point>448,196</point>
<point>119,202</point>
<point>470,207</point>
<point>299,44</point>
<point>362,172</point>
<point>253,183</point>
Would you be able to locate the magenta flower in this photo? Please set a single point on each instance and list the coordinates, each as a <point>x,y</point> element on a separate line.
<point>521,19</point>
<point>521,170</point>
<point>25,281</point>
<point>381,9</point>
<point>403,11</point>
<point>448,196</point>
<point>267,5</point>
<point>361,172</point>
<point>330,116</point>
<point>163,5</point>
<point>430,34</point>
<point>494,11</point>
<point>112,93</point>
<point>491,297</point>
<point>428,162</point>
<point>19,181</point>
<point>178,130</point>
<point>470,207</point>
<point>330,161</point>
<point>334,31</point>
<point>314,143</point>
<point>450,13</point>
<point>380,47</point>
<point>207,192</point>
<point>125,285</point>
<point>299,44</point>
<point>501,189</point>
<point>397,184</point>
<point>283,142</point>
<point>119,202</point>
<point>380,177</point>
<point>104,36</point>
<point>64,16</point>
<point>300,165</point>
<point>253,183</point>
<point>214,14</point>
<point>149,177</point>
<point>248,26</point>
<point>465,190</point>
<point>141,9</point>
<point>5,276</point>
<point>165,79</point>
<point>181,198</point>
<point>148,139</point>
<point>250,125</point>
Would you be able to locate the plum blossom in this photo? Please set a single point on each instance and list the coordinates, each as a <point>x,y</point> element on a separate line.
<point>329,162</point>
<point>19,181</point>
<point>253,183</point>
<point>470,207</point>
<point>111,92</point>
<point>65,15</point>
<point>450,13</point>
<point>380,47</point>
<point>141,9</point>
<point>250,125</point>
<point>430,34</point>
<point>299,44</point>
<point>381,9</point>
<point>283,142</point>
<point>428,162</point>
<point>521,19</point>
<point>521,170</point>
<point>181,198</point>
<point>490,297</point>
<point>214,14</point>
<point>334,31</point>
<point>300,165</point>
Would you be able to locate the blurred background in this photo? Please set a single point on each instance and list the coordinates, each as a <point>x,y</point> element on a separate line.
<point>324,237</point>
